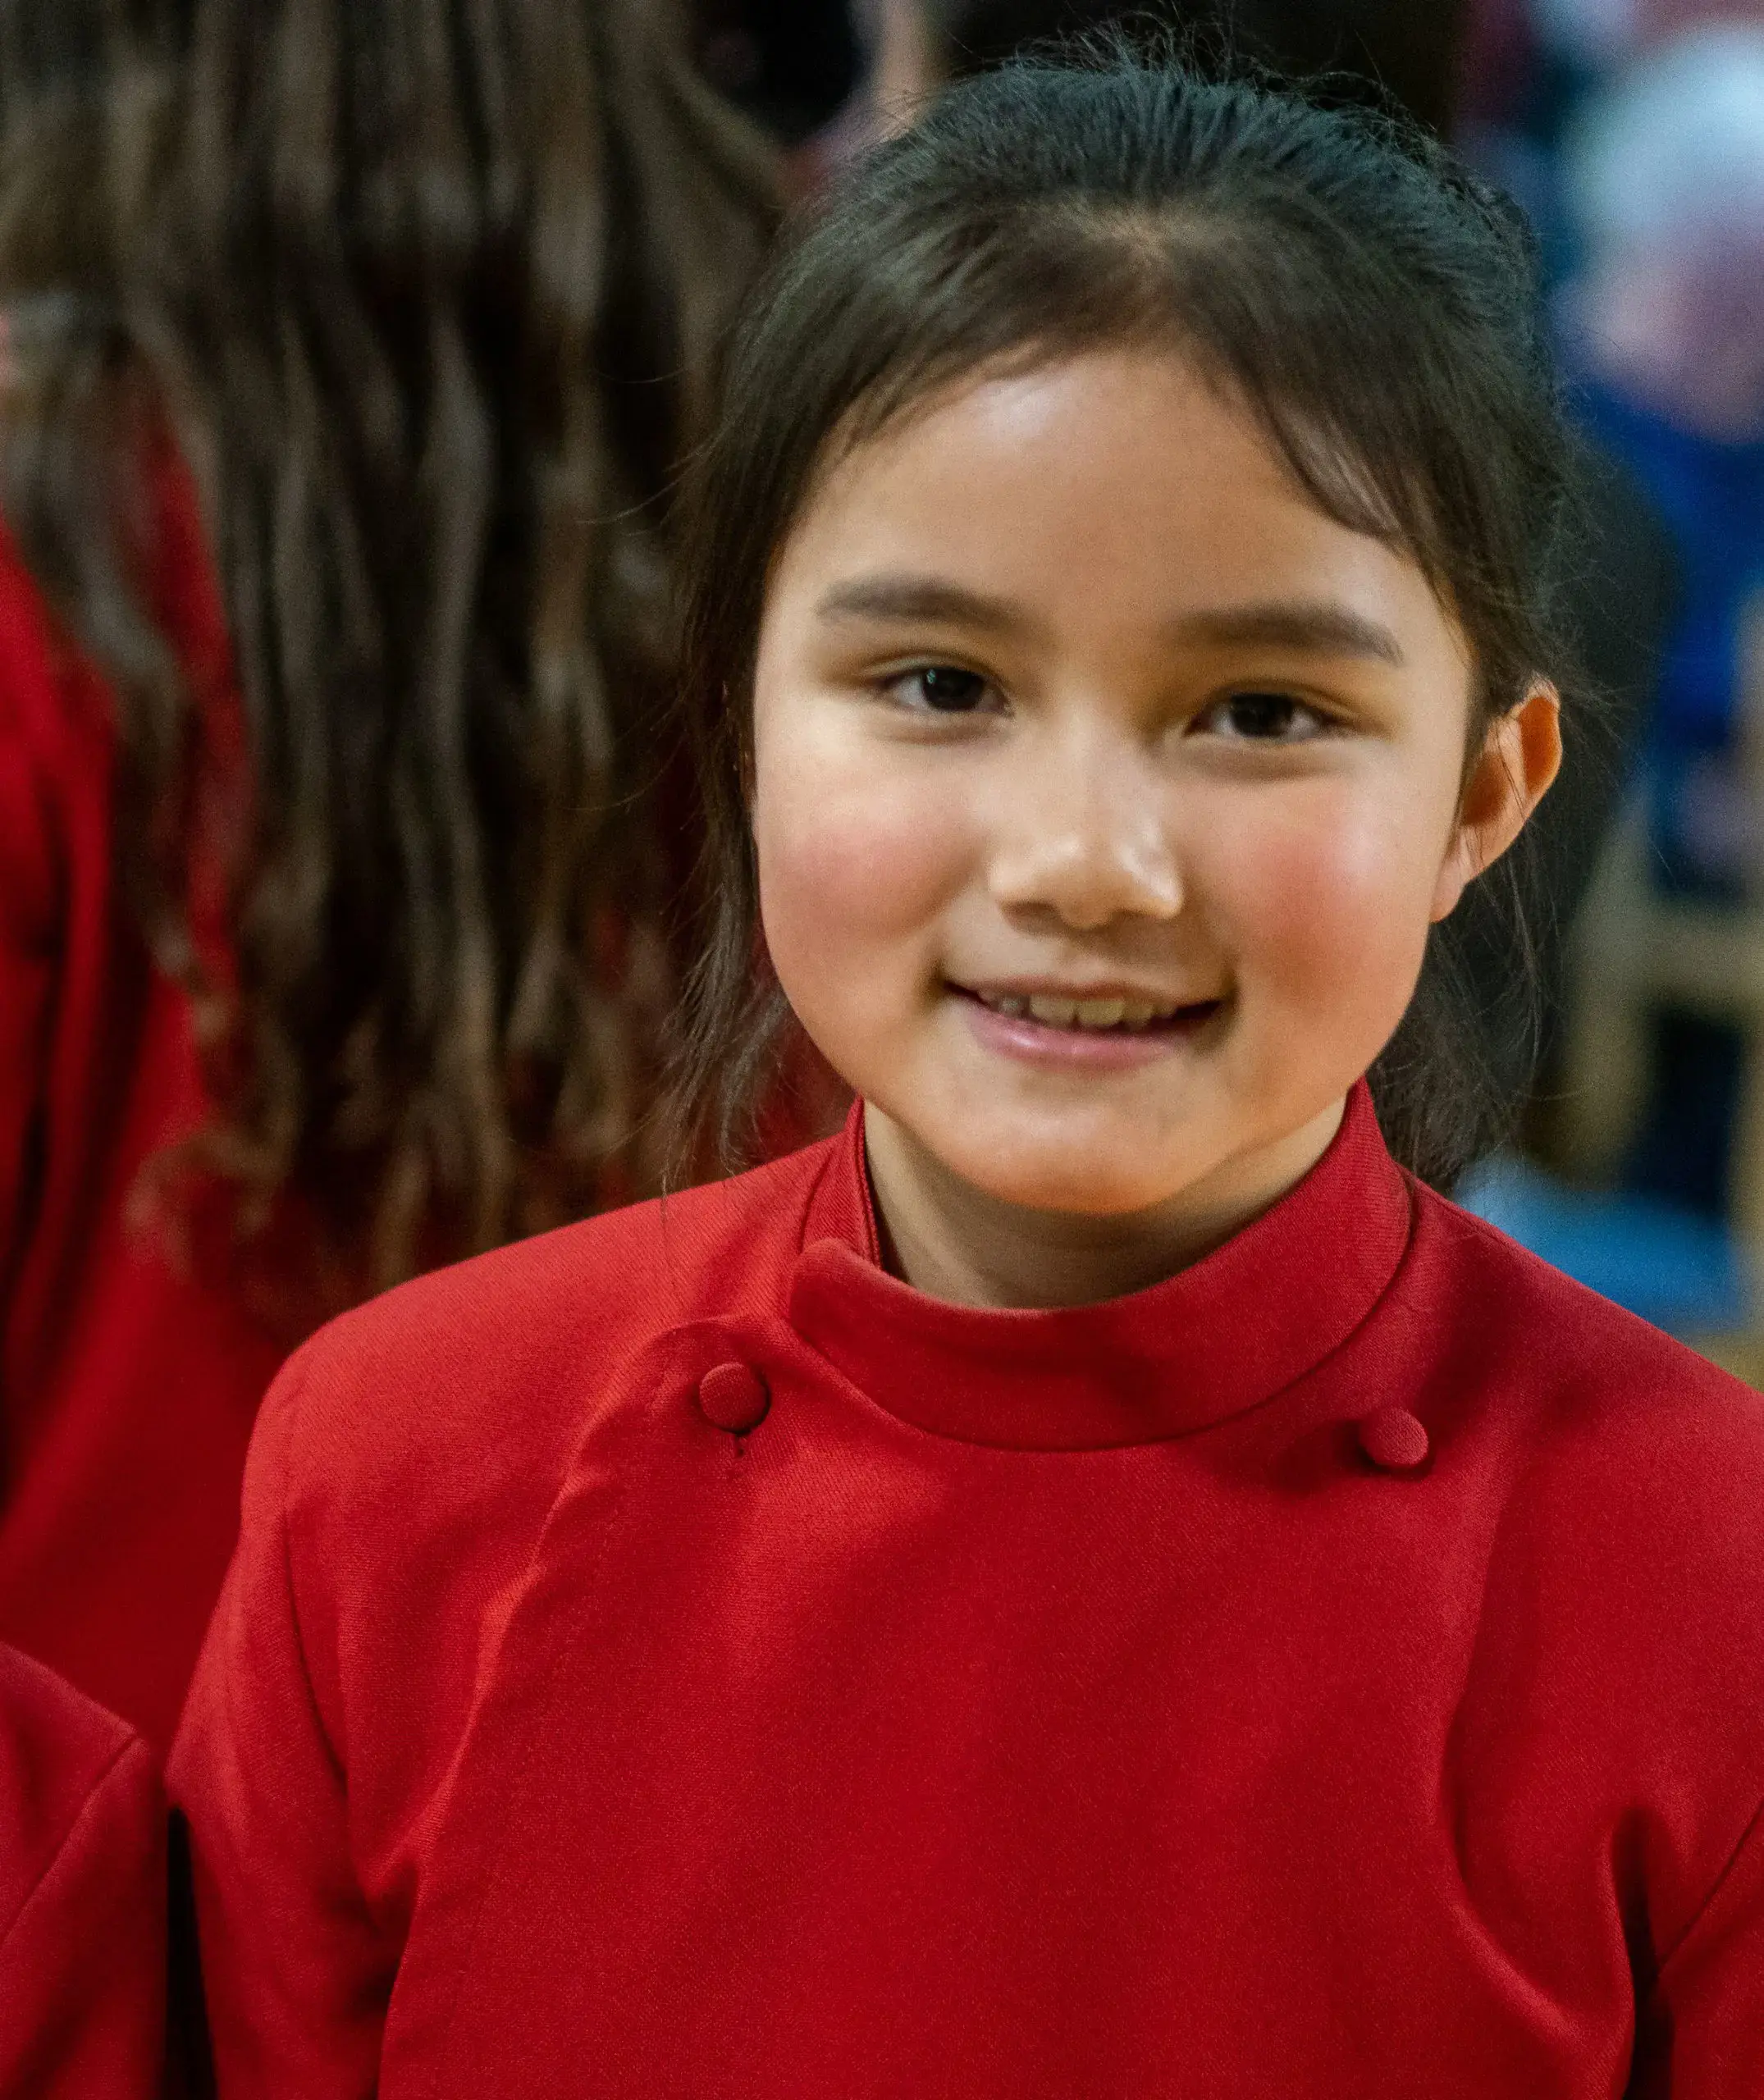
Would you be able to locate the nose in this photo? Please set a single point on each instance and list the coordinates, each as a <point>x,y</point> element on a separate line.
<point>1084,834</point>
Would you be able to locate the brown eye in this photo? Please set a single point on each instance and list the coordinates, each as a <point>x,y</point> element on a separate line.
<point>942,689</point>
<point>1267,718</point>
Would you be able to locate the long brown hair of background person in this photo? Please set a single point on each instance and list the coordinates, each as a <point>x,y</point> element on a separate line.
<point>428,293</point>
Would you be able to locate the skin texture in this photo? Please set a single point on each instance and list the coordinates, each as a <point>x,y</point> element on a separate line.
<point>1099,801</point>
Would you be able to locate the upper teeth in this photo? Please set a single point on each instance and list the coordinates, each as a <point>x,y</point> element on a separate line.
<point>1078,1013</point>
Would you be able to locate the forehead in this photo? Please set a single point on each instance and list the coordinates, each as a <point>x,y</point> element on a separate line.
<point>1116,489</point>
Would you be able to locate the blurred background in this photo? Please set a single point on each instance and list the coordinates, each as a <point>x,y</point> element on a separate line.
<point>1632,132</point>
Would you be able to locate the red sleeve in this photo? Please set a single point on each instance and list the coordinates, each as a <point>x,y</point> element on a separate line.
<point>82,1898</point>
<point>1700,2033</point>
<point>296,1978</point>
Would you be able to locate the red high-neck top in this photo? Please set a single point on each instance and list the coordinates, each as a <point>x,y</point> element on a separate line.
<point>129,1373</point>
<point>671,1658</point>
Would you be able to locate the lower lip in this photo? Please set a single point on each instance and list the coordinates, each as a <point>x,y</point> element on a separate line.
<point>1033,1041</point>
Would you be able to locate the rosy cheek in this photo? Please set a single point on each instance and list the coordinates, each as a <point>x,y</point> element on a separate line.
<point>853,861</point>
<point>1327,896</point>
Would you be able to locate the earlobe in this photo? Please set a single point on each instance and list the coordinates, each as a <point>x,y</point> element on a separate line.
<point>1520,759</point>
<point>1454,879</point>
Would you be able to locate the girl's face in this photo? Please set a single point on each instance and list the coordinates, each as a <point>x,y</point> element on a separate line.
<point>1105,790</point>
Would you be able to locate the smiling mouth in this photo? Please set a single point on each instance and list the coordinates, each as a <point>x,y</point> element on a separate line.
<point>1099,1017</point>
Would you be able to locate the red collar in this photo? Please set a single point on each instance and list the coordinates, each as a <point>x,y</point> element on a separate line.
<point>1237,1328</point>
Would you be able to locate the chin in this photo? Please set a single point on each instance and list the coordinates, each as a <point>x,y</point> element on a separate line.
<point>1077,1183</point>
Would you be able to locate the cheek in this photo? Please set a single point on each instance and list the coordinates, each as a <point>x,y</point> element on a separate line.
<point>856,865</point>
<point>1330,898</point>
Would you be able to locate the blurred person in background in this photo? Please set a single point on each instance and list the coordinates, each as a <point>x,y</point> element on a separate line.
<point>1663,183</point>
<point>1665,180</point>
<point>350,348</point>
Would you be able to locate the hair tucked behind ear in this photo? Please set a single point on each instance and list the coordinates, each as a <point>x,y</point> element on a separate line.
<point>1335,272</point>
<point>428,294</point>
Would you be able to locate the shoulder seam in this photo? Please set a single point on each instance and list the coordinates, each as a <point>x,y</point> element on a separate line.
<point>298,1372</point>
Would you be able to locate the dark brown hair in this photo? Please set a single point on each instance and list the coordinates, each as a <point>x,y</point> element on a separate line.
<point>1370,302</point>
<point>428,294</point>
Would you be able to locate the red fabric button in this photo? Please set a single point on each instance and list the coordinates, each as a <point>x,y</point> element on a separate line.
<point>733,1396</point>
<point>1394,1440</point>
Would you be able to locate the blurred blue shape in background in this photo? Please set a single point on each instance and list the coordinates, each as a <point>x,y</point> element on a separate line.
<point>1675,1267</point>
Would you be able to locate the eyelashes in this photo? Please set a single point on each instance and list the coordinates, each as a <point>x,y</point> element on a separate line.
<point>942,689</point>
<point>1266,717</point>
<point>1255,715</point>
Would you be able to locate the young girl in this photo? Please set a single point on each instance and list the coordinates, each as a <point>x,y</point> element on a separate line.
<point>1098,1581</point>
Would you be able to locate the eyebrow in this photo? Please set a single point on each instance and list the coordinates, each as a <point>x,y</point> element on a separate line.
<point>1313,627</point>
<point>906,599</point>
<point>1317,629</point>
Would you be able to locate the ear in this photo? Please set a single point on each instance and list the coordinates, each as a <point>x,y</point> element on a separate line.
<point>1520,756</point>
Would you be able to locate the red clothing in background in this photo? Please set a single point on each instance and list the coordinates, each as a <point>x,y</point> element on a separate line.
<point>82,1898</point>
<point>671,1658</point>
<point>127,1389</point>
